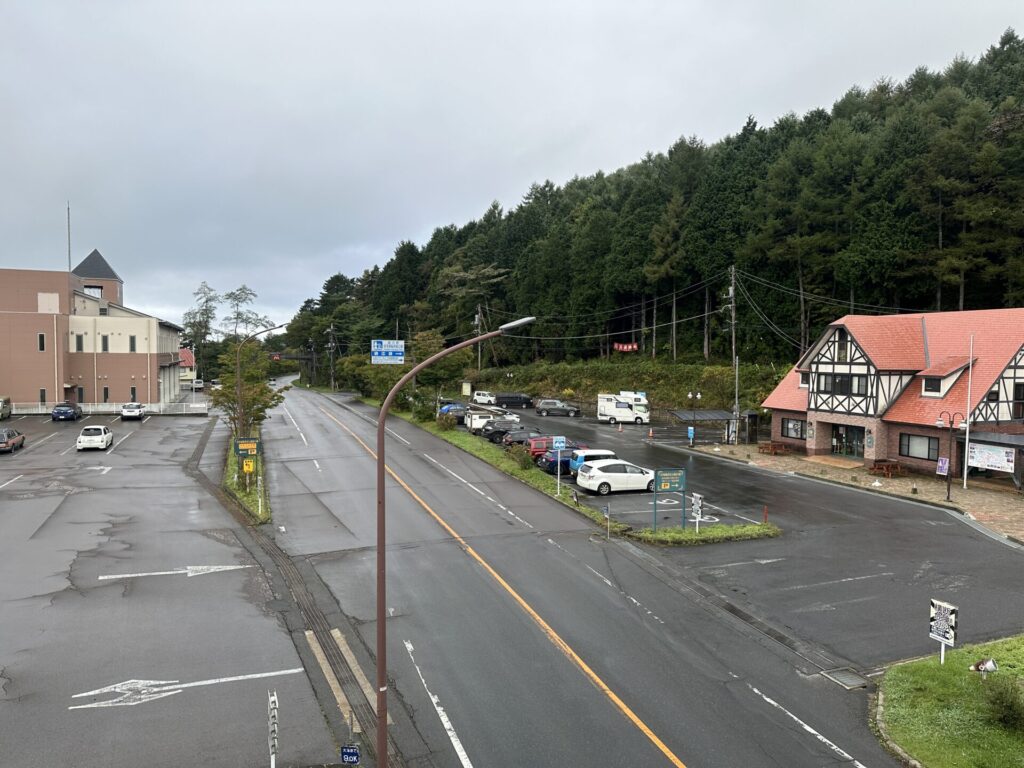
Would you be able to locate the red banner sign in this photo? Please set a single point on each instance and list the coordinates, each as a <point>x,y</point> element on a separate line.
<point>625,347</point>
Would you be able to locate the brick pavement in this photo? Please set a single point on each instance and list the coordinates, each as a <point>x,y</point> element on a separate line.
<point>995,504</point>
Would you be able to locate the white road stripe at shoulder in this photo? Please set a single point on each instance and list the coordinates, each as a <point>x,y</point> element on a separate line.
<point>445,721</point>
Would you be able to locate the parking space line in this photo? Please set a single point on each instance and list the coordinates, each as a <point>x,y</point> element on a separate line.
<point>40,441</point>
<point>111,449</point>
<point>16,477</point>
<point>837,581</point>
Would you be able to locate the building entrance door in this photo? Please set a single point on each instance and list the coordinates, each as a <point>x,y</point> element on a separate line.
<point>847,440</point>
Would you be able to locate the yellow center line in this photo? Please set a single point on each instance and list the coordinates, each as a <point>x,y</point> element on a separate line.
<point>546,628</point>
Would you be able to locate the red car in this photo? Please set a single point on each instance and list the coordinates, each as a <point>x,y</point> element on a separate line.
<point>11,440</point>
<point>540,445</point>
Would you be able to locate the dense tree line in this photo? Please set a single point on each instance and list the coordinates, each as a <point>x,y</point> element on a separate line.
<point>905,196</point>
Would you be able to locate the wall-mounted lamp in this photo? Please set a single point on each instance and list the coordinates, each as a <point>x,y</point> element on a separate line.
<point>867,431</point>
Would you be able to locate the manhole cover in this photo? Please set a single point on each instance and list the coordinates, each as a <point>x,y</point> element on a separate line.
<point>846,677</point>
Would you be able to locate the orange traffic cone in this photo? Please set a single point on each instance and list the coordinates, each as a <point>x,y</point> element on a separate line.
<point>650,433</point>
<point>620,426</point>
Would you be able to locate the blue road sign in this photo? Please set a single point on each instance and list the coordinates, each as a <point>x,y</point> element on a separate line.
<point>558,443</point>
<point>387,352</point>
<point>689,432</point>
<point>350,754</point>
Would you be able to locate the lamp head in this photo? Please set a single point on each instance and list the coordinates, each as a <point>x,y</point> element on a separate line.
<point>516,324</point>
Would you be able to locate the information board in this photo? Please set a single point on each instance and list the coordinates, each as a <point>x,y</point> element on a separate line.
<point>387,352</point>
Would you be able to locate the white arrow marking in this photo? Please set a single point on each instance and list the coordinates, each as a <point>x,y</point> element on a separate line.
<point>138,691</point>
<point>751,562</point>
<point>189,570</point>
<point>102,470</point>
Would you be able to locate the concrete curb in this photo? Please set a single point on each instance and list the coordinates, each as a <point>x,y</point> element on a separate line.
<point>877,715</point>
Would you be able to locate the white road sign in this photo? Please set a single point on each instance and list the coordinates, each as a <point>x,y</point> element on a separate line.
<point>387,352</point>
<point>942,622</point>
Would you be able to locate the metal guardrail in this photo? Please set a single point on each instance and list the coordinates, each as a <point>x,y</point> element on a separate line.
<point>201,408</point>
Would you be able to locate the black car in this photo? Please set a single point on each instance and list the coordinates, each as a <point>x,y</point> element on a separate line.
<point>556,408</point>
<point>549,462</point>
<point>520,436</point>
<point>513,400</point>
<point>66,412</point>
<point>495,429</point>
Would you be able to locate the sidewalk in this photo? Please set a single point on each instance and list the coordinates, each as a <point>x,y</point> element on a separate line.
<point>995,504</point>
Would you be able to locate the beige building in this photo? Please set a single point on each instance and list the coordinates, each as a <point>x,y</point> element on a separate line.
<point>68,336</point>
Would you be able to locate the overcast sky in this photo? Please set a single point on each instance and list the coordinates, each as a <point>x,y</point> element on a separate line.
<point>278,143</point>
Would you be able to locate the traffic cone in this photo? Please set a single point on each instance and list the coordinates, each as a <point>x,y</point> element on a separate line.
<point>650,433</point>
<point>620,426</point>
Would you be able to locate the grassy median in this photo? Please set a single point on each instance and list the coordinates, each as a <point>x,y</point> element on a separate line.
<point>946,716</point>
<point>250,498</point>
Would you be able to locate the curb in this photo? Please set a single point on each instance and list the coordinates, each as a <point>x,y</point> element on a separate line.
<point>878,720</point>
<point>877,492</point>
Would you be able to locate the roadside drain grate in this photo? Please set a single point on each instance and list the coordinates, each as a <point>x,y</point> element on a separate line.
<point>846,677</point>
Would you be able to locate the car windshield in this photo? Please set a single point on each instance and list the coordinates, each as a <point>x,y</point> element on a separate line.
<point>92,431</point>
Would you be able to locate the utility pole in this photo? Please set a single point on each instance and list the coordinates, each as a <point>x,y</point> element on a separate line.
<point>479,343</point>
<point>330,349</point>
<point>735,360</point>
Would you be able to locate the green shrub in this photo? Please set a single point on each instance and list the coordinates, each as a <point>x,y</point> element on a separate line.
<point>446,422</point>
<point>521,455</point>
<point>1005,699</point>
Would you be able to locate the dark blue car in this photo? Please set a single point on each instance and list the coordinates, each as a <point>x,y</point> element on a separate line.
<point>66,412</point>
<point>549,462</point>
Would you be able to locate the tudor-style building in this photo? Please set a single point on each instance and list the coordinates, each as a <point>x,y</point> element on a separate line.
<point>875,387</point>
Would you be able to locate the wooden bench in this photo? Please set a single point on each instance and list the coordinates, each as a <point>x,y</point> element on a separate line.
<point>887,468</point>
<point>774,448</point>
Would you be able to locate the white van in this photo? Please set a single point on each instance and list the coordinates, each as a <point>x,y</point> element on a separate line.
<point>484,398</point>
<point>633,398</point>
<point>613,409</point>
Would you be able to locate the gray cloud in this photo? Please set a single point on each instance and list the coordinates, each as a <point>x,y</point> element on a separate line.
<point>274,143</point>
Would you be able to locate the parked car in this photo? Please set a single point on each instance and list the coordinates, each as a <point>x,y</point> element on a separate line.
<point>606,475</point>
<point>66,412</point>
<point>133,411</point>
<point>94,437</point>
<point>11,440</point>
<point>197,384</point>
<point>519,436</point>
<point>484,398</point>
<point>583,455</point>
<point>215,383</point>
<point>513,400</point>
<point>550,460</point>
<point>539,445</point>
<point>458,410</point>
<point>5,407</point>
<point>556,408</point>
<point>496,429</point>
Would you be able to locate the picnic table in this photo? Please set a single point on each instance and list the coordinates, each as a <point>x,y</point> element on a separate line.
<point>887,468</point>
<point>773,447</point>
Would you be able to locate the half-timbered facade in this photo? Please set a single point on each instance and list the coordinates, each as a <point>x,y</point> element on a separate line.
<point>879,387</point>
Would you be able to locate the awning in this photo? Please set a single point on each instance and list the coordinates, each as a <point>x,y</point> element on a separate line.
<point>703,415</point>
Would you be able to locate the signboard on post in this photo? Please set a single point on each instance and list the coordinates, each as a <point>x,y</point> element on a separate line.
<point>942,466</point>
<point>248,446</point>
<point>991,457</point>
<point>558,443</point>
<point>387,352</point>
<point>248,466</point>
<point>350,754</point>
<point>670,480</point>
<point>942,626</point>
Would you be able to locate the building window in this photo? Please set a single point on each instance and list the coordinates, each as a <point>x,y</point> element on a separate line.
<point>133,395</point>
<point>794,428</point>
<point>859,385</point>
<point>42,394</point>
<point>103,311</point>
<point>79,342</point>
<point>825,383</point>
<point>842,346</point>
<point>106,394</point>
<point>81,395</point>
<point>993,395</point>
<point>131,343</point>
<point>805,378</point>
<point>41,341</point>
<point>105,343</point>
<point>919,447</point>
<point>1018,401</point>
<point>932,384</point>
<point>94,290</point>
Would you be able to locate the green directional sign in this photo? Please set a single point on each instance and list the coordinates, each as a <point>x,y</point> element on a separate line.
<point>248,446</point>
<point>670,480</point>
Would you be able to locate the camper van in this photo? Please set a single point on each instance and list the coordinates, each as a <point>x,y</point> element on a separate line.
<point>615,408</point>
<point>5,407</point>
<point>633,398</point>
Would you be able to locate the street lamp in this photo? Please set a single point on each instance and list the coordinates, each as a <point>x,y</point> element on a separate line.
<point>239,410</point>
<point>940,424</point>
<point>382,647</point>
<point>693,415</point>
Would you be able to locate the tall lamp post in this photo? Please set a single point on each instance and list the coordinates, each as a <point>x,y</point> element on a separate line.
<point>239,409</point>
<point>940,423</point>
<point>382,646</point>
<point>693,415</point>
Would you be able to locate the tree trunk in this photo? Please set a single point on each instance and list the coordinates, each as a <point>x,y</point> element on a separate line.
<point>963,282</point>
<point>643,323</point>
<point>707,323</point>
<point>654,327</point>
<point>804,330</point>
<point>673,321</point>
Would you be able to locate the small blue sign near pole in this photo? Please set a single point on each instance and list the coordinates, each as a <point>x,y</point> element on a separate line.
<point>350,754</point>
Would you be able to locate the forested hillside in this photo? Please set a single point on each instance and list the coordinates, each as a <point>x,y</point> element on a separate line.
<point>905,196</point>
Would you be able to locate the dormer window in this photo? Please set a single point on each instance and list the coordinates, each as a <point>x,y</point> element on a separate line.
<point>841,345</point>
<point>993,395</point>
<point>805,378</point>
<point>932,384</point>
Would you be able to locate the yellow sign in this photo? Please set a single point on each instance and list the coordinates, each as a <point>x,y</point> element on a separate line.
<point>248,466</point>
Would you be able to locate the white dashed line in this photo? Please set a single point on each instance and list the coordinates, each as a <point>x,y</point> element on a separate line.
<point>16,477</point>
<point>448,727</point>
<point>482,493</point>
<point>396,435</point>
<point>296,425</point>
<point>317,465</point>
<point>836,581</point>
<point>842,754</point>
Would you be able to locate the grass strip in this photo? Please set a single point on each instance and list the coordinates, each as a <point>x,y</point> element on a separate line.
<point>249,499</point>
<point>941,715</point>
<point>675,536</point>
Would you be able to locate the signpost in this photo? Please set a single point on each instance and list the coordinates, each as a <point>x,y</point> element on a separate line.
<point>350,754</point>
<point>669,481</point>
<point>248,466</point>
<point>942,466</point>
<point>387,352</point>
<point>272,726</point>
<point>698,509</point>
<point>558,445</point>
<point>248,446</point>
<point>689,434</point>
<point>991,457</point>
<point>942,626</point>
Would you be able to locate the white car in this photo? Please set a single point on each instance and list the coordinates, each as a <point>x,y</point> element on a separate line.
<point>606,475</point>
<point>95,437</point>
<point>484,398</point>
<point>133,411</point>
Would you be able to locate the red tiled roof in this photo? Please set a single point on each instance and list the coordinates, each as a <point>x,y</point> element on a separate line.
<point>947,365</point>
<point>788,395</point>
<point>892,342</point>
<point>186,357</point>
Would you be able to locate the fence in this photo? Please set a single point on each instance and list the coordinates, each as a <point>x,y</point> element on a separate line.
<point>201,408</point>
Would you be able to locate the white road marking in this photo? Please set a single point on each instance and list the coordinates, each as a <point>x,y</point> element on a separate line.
<point>317,465</point>
<point>40,441</point>
<point>448,727</point>
<point>296,425</point>
<point>64,452</point>
<point>396,435</point>
<point>116,418</point>
<point>188,570</point>
<point>609,583</point>
<point>147,419</point>
<point>23,417</point>
<point>138,691</point>
<point>806,727</point>
<point>357,670</point>
<point>111,449</point>
<point>836,581</point>
<point>16,477</point>
<point>750,562</point>
<point>482,493</point>
<point>101,470</point>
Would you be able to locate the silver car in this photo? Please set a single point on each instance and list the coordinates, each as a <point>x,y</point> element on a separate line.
<point>94,437</point>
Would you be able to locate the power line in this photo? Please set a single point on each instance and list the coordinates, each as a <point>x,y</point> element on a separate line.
<point>609,334</point>
<point>825,299</point>
<point>764,318</point>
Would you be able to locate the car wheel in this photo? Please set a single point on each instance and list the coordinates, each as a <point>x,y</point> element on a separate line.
<point>571,414</point>
<point>523,406</point>
<point>650,487</point>
<point>543,413</point>
<point>638,420</point>
<point>604,489</point>
<point>612,421</point>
